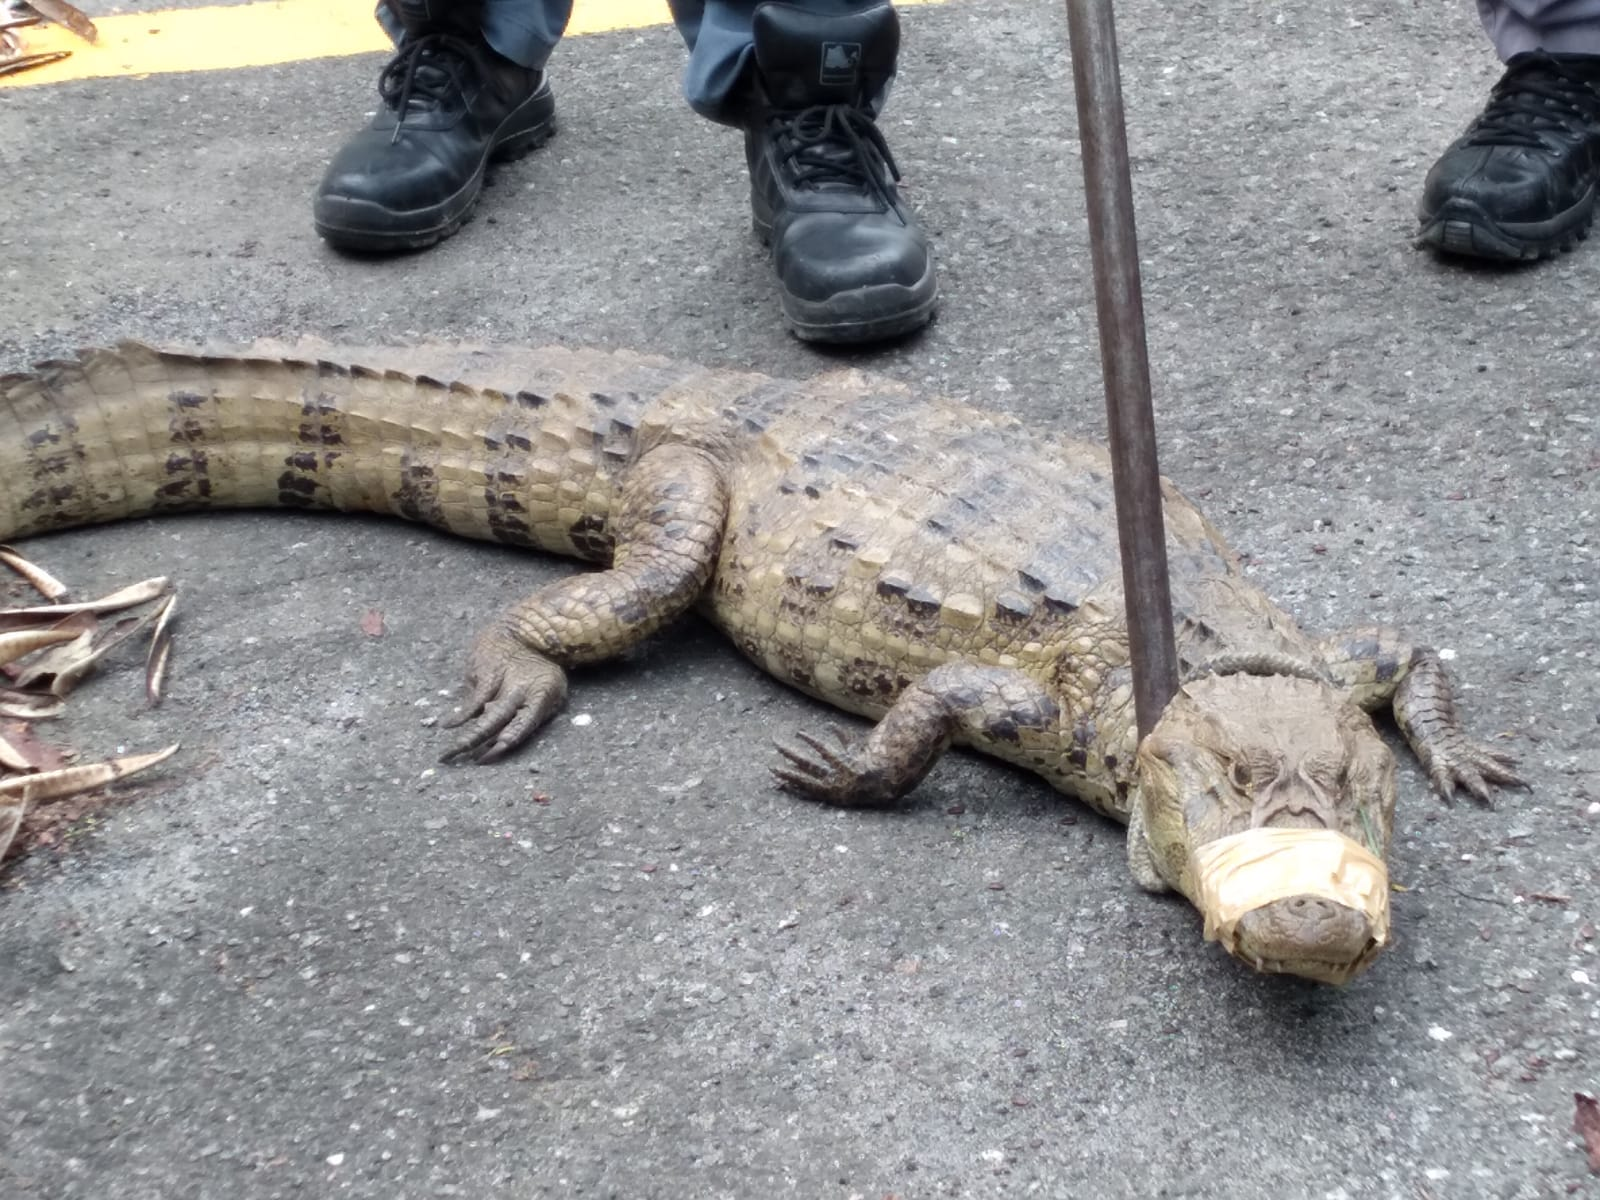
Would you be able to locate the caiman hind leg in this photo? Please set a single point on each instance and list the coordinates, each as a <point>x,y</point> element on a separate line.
<point>672,506</point>
<point>991,704</point>
<point>1380,669</point>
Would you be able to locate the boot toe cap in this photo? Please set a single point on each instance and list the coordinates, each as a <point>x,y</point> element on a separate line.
<point>1508,186</point>
<point>823,256</point>
<point>399,177</point>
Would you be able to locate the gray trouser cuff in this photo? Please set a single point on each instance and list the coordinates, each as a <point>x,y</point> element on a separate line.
<point>1556,26</point>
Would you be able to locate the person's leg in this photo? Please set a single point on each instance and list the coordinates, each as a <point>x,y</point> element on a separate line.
<point>524,32</point>
<point>1554,26</point>
<point>719,81</point>
<point>466,86</point>
<point>806,80</point>
<point>1521,182</point>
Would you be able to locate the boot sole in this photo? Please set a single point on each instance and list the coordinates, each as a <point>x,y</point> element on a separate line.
<point>368,228</point>
<point>1462,228</point>
<point>898,308</point>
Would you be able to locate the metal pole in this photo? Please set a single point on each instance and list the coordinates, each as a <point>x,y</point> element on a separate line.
<point>1124,360</point>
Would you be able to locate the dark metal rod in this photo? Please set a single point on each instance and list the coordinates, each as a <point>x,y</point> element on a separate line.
<point>1124,359</point>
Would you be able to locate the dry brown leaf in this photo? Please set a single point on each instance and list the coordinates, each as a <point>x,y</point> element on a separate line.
<point>155,671</point>
<point>39,674</point>
<point>22,642</point>
<point>40,804</point>
<point>21,618</point>
<point>67,17</point>
<point>1586,1123</point>
<point>25,824</point>
<point>105,640</point>
<point>11,757</point>
<point>50,825</point>
<point>21,750</point>
<point>372,623</point>
<point>129,597</point>
<point>10,821</point>
<point>28,706</point>
<point>52,785</point>
<point>12,623</point>
<point>155,663</point>
<point>46,584</point>
<point>63,667</point>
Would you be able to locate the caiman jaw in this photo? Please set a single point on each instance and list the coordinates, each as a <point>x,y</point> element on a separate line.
<point>1310,937</point>
<point>1307,902</point>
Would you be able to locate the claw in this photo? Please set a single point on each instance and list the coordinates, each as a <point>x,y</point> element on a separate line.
<point>1444,784</point>
<point>1478,771</point>
<point>457,719</point>
<point>809,770</point>
<point>491,720</point>
<point>810,781</point>
<point>791,780</point>
<point>823,751</point>
<point>820,771</point>
<point>494,753</point>
<point>483,692</point>
<point>1498,768</point>
<point>520,726</point>
<point>514,690</point>
<point>798,760</point>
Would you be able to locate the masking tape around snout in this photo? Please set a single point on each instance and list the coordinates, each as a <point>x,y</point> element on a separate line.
<point>1238,874</point>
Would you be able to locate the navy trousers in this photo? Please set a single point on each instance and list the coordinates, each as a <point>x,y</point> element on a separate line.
<point>1559,26</point>
<point>717,33</point>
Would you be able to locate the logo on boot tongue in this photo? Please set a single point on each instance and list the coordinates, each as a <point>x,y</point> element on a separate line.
<point>841,62</point>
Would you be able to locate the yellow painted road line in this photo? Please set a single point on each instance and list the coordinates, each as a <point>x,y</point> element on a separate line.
<point>205,39</point>
<point>260,34</point>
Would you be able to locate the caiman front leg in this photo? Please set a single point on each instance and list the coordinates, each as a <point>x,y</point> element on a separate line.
<point>672,507</point>
<point>985,703</point>
<point>1378,668</point>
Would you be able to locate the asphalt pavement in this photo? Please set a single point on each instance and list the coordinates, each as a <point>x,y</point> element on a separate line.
<point>308,961</point>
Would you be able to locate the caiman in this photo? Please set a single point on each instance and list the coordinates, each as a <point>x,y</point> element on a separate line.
<point>949,572</point>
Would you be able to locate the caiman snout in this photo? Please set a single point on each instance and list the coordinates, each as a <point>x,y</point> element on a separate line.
<point>1308,936</point>
<point>1307,902</point>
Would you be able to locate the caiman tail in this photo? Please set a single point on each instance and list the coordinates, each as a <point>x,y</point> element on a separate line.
<point>134,431</point>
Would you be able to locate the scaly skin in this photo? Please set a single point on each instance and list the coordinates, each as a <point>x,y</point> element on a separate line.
<point>945,571</point>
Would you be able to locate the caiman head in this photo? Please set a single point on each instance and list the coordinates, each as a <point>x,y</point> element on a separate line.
<point>1268,801</point>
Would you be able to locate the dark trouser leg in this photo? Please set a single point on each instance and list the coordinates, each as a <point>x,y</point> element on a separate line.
<point>524,31</point>
<point>718,80</point>
<point>1554,26</point>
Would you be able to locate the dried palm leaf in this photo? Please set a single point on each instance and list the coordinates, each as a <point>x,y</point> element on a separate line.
<point>53,785</point>
<point>68,17</point>
<point>23,642</point>
<point>46,584</point>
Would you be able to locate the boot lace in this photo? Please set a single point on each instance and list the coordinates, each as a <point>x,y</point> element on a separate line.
<point>836,145</point>
<point>1536,96</point>
<point>423,75</point>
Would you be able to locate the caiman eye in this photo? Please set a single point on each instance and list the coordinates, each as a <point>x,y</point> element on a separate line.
<point>1239,775</point>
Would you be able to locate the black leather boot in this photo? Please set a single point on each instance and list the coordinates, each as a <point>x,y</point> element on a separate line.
<point>1520,182</point>
<point>852,263</point>
<point>450,105</point>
